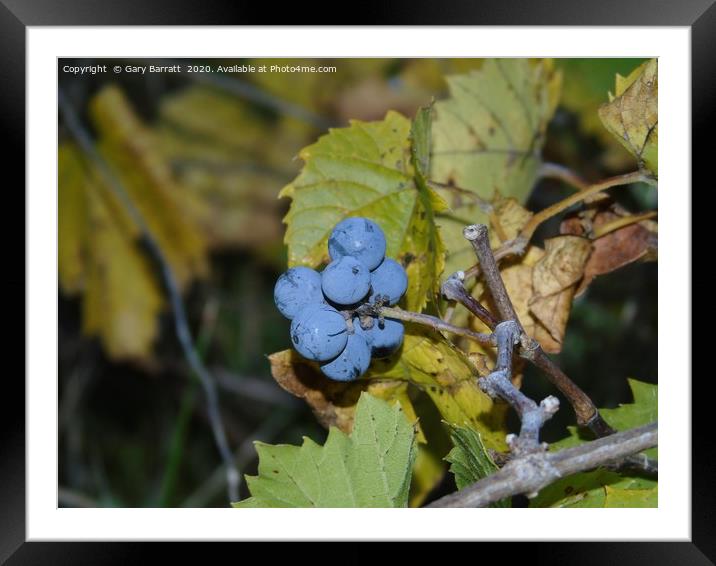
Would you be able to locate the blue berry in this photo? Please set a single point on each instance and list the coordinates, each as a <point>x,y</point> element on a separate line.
<point>389,281</point>
<point>386,338</point>
<point>345,281</point>
<point>360,238</point>
<point>352,362</point>
<point>295,289</point>
<point>319,332</point>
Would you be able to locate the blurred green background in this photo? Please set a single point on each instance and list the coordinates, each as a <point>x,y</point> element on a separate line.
<point>204,156</point>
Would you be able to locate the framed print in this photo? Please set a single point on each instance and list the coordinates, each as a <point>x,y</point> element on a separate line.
<point>284,279</point>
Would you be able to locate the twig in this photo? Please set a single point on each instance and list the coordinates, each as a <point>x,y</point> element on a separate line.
<point>571,200</point>
<point>181,324</point>
<point>518,245</point>
<point>499,384</point>
<point>453,289</point>
<point>585,409</point>
<point>426,320</point>
<point>587,413</point>
<point>558,171</point>
<point>622,222</point>
<point>530,473</point>
<point>477,235</point>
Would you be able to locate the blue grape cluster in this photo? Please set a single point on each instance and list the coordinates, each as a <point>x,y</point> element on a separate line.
<point>317,304</point>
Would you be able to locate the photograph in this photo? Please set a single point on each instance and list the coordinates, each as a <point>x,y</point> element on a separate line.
<point>399,282</point>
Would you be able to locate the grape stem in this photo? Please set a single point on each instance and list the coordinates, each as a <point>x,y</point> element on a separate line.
<point>425,319</point>
<point>584,408</point>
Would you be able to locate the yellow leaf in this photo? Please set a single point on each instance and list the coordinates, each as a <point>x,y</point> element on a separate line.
<point>632,116</point>
<point>426,360</point>
<point>133,153</point>
<point>99,242</point>
<point>73,221</point>
<point>435,366</point>
<point>122,298</point>
<point>507,220</point>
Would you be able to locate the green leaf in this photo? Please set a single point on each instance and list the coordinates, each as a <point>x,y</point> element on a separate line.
<point>487,138</point>
<point>642,411</point>
<point>369,468</point>
<point>632,114</point>
<point>469,459</point>
<point>367,170</point>
<point>420,134</point>
<point>603,488</point>
<point>598,488</point>
<point>615,497</point>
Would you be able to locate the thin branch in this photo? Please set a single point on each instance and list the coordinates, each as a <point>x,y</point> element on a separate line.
<point>499,384</point>
<point>622,222</point>
<point>477,235</point>
<point>564,174</point>
<point>254,389</point>
<point>586,411</point>
<point>518,245</point>
<point>547,213</point>
<point>267,431</point>
<point>453,289</point>
<point>532,472</point>
<point>426,320</point>
<point>181,325</point>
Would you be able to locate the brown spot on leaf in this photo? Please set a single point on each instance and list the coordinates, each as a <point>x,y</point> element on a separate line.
<point>407,259</point>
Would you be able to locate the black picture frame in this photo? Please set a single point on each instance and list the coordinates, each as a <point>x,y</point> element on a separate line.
<point>17,15</point>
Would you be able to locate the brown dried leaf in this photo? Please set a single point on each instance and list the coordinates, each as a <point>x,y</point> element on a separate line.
<point>616,248</point>
<point>334,402</point>
<point>561,266</point>
<point>554,279</point>
<point>518,282</point>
